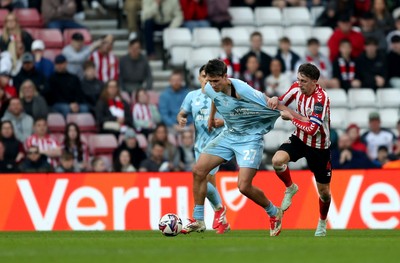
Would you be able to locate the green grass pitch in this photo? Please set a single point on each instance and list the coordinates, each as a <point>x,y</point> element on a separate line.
<point>351,246</point>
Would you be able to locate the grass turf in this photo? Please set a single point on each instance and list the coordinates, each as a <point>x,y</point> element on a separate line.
<point>236,246</point>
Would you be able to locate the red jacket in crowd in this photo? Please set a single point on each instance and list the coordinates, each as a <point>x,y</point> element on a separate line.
<point>356,39</point>
<point>194,9</point>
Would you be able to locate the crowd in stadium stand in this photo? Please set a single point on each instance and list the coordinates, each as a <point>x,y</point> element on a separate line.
<point>84,77</point>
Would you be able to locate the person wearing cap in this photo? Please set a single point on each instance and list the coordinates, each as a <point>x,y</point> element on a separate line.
<point>370,29</point>
<point>42,64</point>
<point>393,62</point>
<point>59,14</point>
<point>377,136</point>
<point>131,144</point>
<point>345,31</point>
<point>28,71</point>
<point>9,90</point>
<point>65,92</point>
<point>77,53</point>
<point>395,32</point>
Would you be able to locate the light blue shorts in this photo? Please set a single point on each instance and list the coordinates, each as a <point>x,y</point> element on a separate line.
<point>213,171</point>
<point>248,149</point>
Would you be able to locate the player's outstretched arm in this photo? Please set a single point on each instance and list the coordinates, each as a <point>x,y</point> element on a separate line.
<point>181,118</point>
<point>211,118</point>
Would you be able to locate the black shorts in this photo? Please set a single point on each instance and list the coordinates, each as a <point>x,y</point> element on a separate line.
<point>318,160</point>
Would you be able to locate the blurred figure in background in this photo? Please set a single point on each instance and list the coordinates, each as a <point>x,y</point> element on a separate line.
<point>253,75</point>
<point>28,71</point>
<point>74,145</point>
<point>98,165</point>
<point>195,13</point>
<point>145,115</point>
<point>123,162</point>
<point>13,33</point>
<point>106,62</point>
<point>186,151</point>
<point>156,161</point>
<point>21,121</point>
<point>231,60</point>
<point>67,164</point>
<point>91,85</point>
<point>59,14</point>
<point>289,59</point>
<point>43,65</point>
<point>14,151</point>
<point>256,42</point>
<point>218,14</point>
<point>132,9</point>
<point>35,162</point>
<point>313,55</point>
<point>33,103</point>
<point>276,84</point>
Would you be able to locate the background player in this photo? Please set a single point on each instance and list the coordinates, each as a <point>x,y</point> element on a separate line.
<point>247,119</point>
<point>310,140</point>
<point>198,104</point>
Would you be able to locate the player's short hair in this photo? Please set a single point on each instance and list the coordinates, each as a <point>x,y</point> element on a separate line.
<point>215,67</point>
<point>227,41</point>
<point>312,41</point>
<point>371,41</point>
<point>202,68</point>
<point>309,70</point>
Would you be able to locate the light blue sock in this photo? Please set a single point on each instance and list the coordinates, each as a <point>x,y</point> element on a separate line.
<point>271,209</point>
<point>213,196</point>
<point>198,212</point>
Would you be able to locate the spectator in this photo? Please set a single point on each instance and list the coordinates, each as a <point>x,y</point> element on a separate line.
<point>371,66</point>
<point>251,3</point>
<point>395,32</point>
<point>264,59</point>
<point>170,153</point>
<point>12,34</point>
<point>393,60</point>
<point>130,144</point>
<point>6,64</point>
<point>5,84</point>
<point>33,103</point>
<point>135,71</point>
<point>21,121</point>
<point>28,71</point>
<point>59,14</point>
<point>356,143</point>
<point>194,13</point>
<point>377,136</point>
<point>345,31</point>
<point>48,146</point>
<point>383,16</point>
<point>369,29</point>
<point>253,75</point>
<point>278,82</point>
<point>289,59</point>
<point>175,92</point>
<point>17,58</point>
<point>333,11</point>
<point>91,85</point>
<point>67,164</point>
<point>13,4</point>
<point>132,9</point>
<point>145,115</point>
<point>218,14</point>
<point>74,145</point>
<point>6,166</point>
<point>35,162</point>
<point>397,143</point>
<point>155,163</point>
<point>105,61</point>
<point>287,3</point>
<point>186,151</point>
<point>231,60</point>
<point>112,112</point>
<point>344,68</point>
<point>158,15</point>
<point>382,157</point>
<point>98,165</point>
<point>65,92</point>
<point>123,163</point>
<point>4,102</point>
<point>77,53</point>
<point>345,157</point>
<point>43,65</point>
<point>13,149</point>
<point>313,55</point>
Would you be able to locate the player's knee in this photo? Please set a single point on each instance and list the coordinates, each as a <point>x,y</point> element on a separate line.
<point>278,163</point>
<point>199,171</point>
<point>244,187</point>
<point>325,195</point>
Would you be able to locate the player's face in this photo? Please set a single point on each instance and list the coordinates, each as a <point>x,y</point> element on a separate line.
<point>217,82</point>
<point>202,79</point>
<point>306,84</point>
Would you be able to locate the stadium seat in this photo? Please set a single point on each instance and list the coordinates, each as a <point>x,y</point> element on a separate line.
<point>360,117</point>
<point>239,35</point>
<point>56,122</point>
<point>102,144</point>
<point>324,50</point>
<point>52,38</point>
<point>85,121</point>
<point>339,118</point>
<point>34,32</point>
<point>271,34</point>
<point>389,117</point>
<point>69,32</point>
<point>274,139</point>
<point>51,53</point>
<point>299,50</point>
<point>3,13</point>
<point>298,35</point>
<point>322,34</point>
<point>200,56</point>
<point>241,16</point>
<point>176,37</point>
<point>240,51</point>
<point>267,16</point>
<point>28,17</point>
<point>338,98</point>
<point>206,36</point>
<point>296,16</point>
<point>316,12</point>
<point>388,98</point>
<point>270,50</point>
<point>362,98</point>
<point>179,56</point>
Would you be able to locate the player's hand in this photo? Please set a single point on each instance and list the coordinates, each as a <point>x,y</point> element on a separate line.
<point>182,122</point>
<point>211,124</point>
<point>273,102</point>
<point>218,123</point>
<point>286,115</point>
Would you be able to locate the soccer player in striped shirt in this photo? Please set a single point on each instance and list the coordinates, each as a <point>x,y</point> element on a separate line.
<point>310,139</point>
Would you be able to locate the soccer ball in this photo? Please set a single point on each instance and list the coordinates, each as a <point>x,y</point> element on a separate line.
<point>170,225</point>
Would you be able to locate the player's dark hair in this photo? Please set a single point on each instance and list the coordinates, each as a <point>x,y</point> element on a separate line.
<point>309,70</point>
<point>202,68</point>
<point>215,68</point>
<point>312,41</point>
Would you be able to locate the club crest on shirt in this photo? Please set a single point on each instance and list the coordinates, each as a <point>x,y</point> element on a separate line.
<point>309,111</point>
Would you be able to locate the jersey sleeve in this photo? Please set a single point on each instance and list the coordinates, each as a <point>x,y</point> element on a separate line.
<point>187,103</point>
<point>246,92</point>
<point>210,92</point>
<point>289,95</point>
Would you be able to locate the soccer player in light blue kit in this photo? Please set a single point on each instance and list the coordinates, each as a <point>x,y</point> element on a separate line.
<point>198,104</point>
<point>247,118</point>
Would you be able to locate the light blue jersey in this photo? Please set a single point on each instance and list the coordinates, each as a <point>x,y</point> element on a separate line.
<point>197,104</point>
<point>246,121</point>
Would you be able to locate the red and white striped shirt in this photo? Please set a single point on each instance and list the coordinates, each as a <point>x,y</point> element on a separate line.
<point>43,143</point>
<point>107,66</point>
<point>315,132</point>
